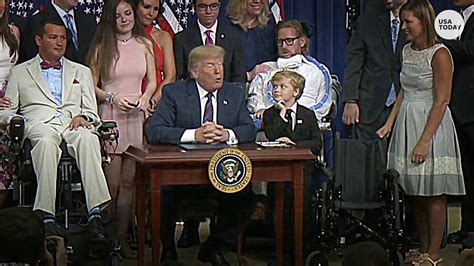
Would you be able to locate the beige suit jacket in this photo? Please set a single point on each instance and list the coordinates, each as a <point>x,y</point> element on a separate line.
<point>32,98</point>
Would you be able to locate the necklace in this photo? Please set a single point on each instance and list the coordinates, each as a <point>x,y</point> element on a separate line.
<point>124,40</point>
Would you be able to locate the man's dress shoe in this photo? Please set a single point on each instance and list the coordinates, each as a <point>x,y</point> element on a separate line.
<point>169,255</point>
<point>214,256</point>
<point>457,237</point>
<point>96,230</point>
<point>189,236</point>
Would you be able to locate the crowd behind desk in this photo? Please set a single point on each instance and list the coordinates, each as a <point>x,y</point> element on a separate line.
<point>162,165</point>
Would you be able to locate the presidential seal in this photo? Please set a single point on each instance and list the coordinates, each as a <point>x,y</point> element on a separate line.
<point>230,170</point>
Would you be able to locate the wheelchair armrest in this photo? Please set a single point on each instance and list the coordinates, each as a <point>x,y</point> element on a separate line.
<point>108,131</point>
<point>17,129</point>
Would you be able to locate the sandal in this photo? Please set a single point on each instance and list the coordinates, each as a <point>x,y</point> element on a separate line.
<point>426,258</point>
<point>412,255</point>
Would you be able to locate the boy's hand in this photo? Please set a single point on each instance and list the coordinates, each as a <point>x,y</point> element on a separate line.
<point>285,140</point>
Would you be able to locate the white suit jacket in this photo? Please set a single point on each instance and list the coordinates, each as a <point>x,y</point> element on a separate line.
<point>32,98</point>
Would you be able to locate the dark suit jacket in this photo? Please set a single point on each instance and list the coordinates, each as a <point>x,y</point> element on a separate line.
<point>179,109</point>
<point>306,133</point>
<point>371,64</point>
<point>85,25</point>
<point>234,61</point>
<point>463,78</point>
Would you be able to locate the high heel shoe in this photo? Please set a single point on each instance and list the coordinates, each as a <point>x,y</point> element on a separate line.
<point>425,260</point>
<point>126,251</point>
<point>412,255</point>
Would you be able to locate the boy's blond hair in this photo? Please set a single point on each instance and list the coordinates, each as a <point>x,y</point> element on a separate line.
<point>296,80</point>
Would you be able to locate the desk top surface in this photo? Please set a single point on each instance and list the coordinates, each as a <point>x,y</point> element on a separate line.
<point>165,154</point>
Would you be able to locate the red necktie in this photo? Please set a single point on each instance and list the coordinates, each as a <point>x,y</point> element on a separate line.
<point>208,40</point>
<point>47,65</point>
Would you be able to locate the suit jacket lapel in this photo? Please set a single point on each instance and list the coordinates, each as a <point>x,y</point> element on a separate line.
<point>402,38</point>
<point>194,102</point>
<point>383,25</point>
<point>220,36</point>
<point>35,72</point>
<point>196,39</point>
<point>69,72</point>
<point>468,27</point>
<point>222,106</point>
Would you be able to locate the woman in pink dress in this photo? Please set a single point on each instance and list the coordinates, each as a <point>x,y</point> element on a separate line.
<point>120,57</point>
<point>147,11</point>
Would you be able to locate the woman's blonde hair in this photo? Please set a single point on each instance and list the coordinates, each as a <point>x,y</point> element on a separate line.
<point>237,12</point>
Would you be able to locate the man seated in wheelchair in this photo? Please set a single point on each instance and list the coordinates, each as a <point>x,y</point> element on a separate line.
<point>289,122</point>
<point>56,99</point>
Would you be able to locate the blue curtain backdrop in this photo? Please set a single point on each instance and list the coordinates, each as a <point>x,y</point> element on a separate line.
<point>328,19</point>
<point>330,36</point>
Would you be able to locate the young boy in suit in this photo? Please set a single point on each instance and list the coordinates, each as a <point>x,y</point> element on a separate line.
<point>291,123</point>
<point>287,121</point>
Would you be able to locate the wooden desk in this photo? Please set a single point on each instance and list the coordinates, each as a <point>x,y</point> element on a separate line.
<point>170,165</point>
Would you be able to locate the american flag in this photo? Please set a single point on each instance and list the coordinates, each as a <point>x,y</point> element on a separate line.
<point>177,13</point>
<point>26,8</point>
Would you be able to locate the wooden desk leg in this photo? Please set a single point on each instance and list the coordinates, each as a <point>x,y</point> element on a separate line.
<point>279,202</point>
<point>140,194</point>
<point>156,216</point>
<point>298,205</point>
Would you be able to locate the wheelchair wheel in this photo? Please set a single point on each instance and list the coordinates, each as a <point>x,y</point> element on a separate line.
<point>396,259</point>
<point>317,258</point>
<point>115,259</point>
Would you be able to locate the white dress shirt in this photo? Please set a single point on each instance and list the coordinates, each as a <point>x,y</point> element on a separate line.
<point>189,134</point>
<point>203,30</point>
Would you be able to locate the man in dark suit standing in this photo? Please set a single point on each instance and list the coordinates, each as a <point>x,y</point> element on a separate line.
<point>207,31</point>
<point>462,95</point>
<point>205,109</point>
<point>371,75</point>
<point>80,30</point>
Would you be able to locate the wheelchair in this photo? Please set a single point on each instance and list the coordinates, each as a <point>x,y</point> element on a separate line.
<point>335,209</point>
<point>71,208</point>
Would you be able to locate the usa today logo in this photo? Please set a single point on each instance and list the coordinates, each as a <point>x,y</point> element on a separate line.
<point>449,24</point>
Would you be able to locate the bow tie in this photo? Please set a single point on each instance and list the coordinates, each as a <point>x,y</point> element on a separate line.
<point>48,65</point>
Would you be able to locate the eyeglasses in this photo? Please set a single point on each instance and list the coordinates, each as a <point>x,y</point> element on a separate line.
<point>287,41</point>
<point>204,7</point>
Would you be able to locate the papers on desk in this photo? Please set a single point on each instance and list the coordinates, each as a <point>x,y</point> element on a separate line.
<point>272,144</point>
<point>202,146</point>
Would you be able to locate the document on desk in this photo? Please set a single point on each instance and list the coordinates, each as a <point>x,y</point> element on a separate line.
<point>272,144</point>
<point>202,146</point>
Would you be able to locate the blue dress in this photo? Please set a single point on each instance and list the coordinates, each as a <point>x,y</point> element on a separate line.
<point>258,43</point>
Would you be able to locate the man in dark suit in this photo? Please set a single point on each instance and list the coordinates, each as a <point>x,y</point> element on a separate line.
<point>204,109</point>
<point>462,94</point>
<point>207,31</point>
<point>80,30</point>
<point>371,75</point>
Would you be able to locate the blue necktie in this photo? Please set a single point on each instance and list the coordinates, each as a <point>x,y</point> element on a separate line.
<point>70,27</point>
<point>208,109</point>
<point>394,33</point>
<point>392,95</point>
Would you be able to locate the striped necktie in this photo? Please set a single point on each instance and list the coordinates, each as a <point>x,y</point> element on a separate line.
<point>208,109</point>
<point>208,40</point>
<point>70,27</point>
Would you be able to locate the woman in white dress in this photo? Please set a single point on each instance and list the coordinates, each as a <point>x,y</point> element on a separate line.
<point>424,147</point>
<point>9,43</point>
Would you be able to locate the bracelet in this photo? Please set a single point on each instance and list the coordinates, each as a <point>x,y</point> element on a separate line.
<point>110,96</point>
